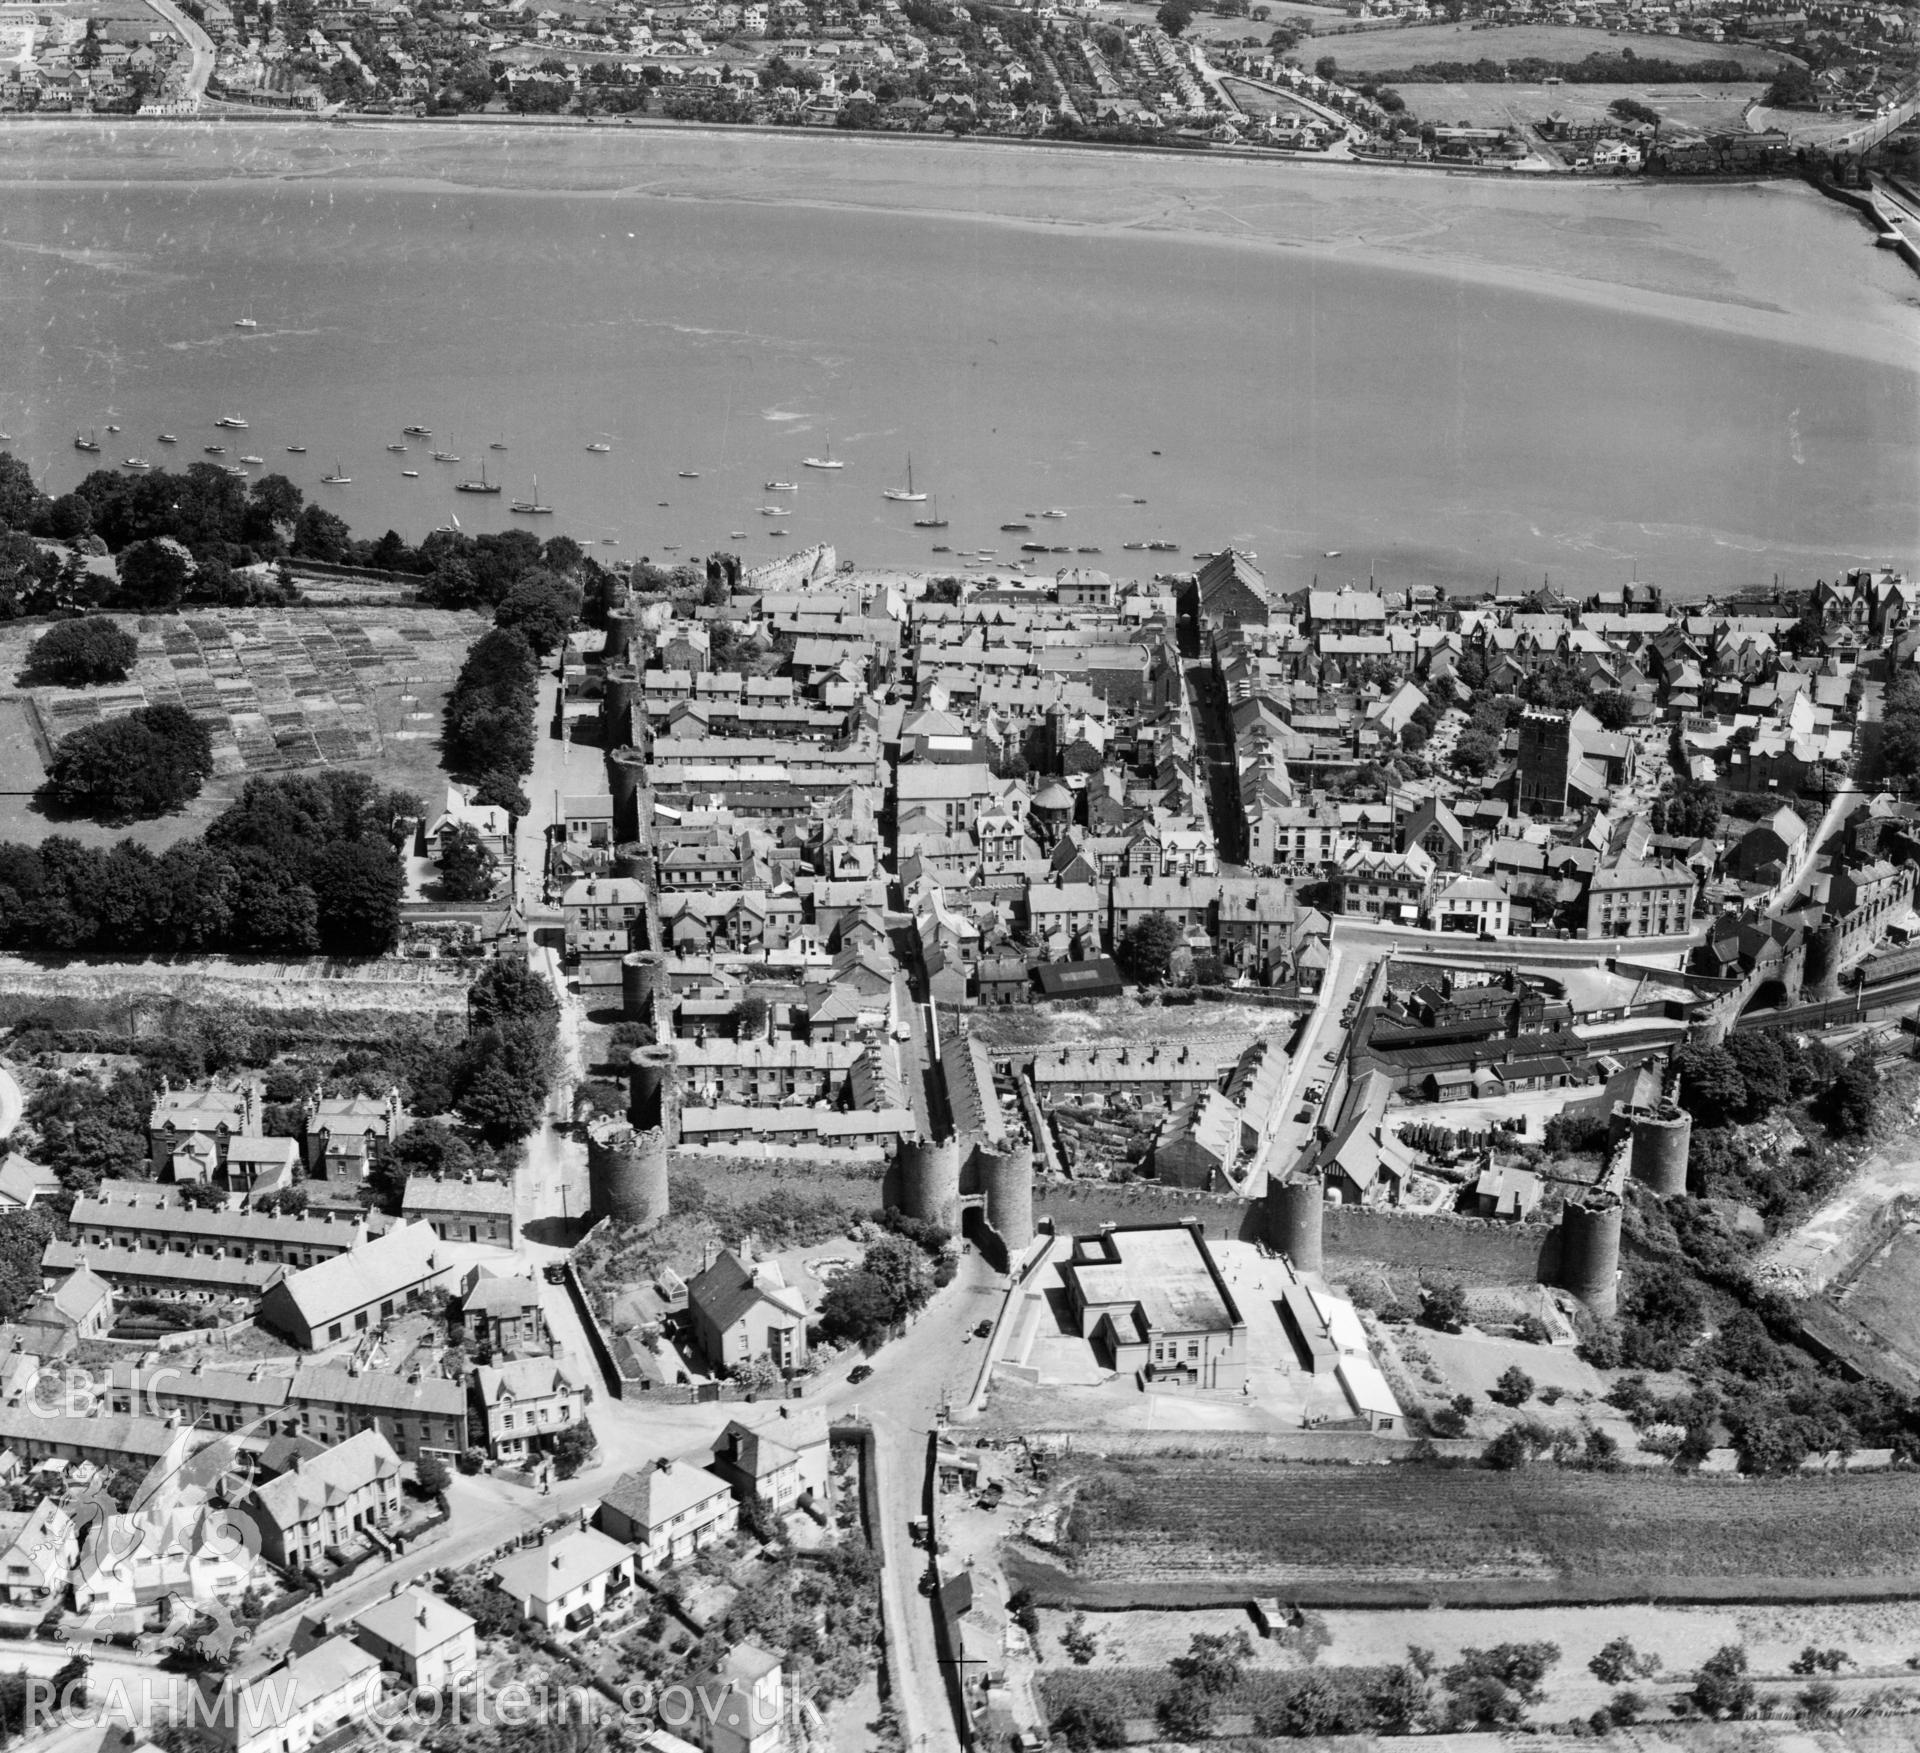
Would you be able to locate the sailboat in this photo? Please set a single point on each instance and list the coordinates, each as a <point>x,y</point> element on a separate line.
<point>935,522</point>
<point>600,447</point>
<point>532,507</point>
<point>483,485</point>
<point>825,462</point>
<point>87,442</point>
<point>339,477</point>
<point>498,444</point>
<point>245,323</point>
<point>906,494</point>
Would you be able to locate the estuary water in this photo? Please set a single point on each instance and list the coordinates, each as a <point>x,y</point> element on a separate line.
<point>1439,379</point>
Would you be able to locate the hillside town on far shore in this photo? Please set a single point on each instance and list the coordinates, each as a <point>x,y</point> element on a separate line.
<point>1615,87</point>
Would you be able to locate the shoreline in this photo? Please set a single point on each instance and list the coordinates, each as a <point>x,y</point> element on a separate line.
<point>1193,151</point>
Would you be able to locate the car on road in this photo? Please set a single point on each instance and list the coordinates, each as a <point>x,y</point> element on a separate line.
<point>1331,1056</point>
<point>555,1272</point>
<point>858,1374</point>
<point>983,1329</point>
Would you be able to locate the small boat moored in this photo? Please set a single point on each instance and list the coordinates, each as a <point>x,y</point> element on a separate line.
<point>782,487</point>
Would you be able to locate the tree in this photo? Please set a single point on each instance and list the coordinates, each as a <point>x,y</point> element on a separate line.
<point>750,1017</point>
<point>1475,752</point>
<point>1084,1724</point>
<point>1174,17</point>
<point>1850,1104</point>
<point>1514,1388</point>
<point>1214,1661</point>
<point>433,1474</point>
<point>543,607</point>
<point>572,1449</point>
<point>149,763</point>
<point>467,864</point>
<point>508,989</point>
<point>20,500</point>
<point>1490,1687</point>
<point>155,574</point>
<point>357,890</point>
<point>1146,948</point>
<point>1792,88</point>
<point>319,535</point>
<point>1443,1305</point>
<point>94,648</point>
<point>1710,1083</point>
<point>1613,709</point>
<point>1619,1660</point>
<point>1721,1687</point>
<point>500,789</point>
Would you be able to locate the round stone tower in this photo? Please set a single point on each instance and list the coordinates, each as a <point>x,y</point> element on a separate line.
<point>626,776</point>
<point>1006,1177</point>
<point>616,706</point>
<point>1590,1251</point>
<point>1296,1210</point>
<point>652,1093</point>
<point>627,1171</point>
<point>1661,1137</point>
<point>930,1182</point>
<point>639,983</point>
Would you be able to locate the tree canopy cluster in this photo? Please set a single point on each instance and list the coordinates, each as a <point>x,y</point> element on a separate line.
<point>74,654</point>
<point>491,707</point>
<point>1625,68</point>
<point>181,535</point>
<point>151,762</point>
<point>893,1280</point>
<point>297,865</point>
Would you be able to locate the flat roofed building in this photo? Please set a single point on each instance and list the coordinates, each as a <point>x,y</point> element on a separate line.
<point>1152,1299</point>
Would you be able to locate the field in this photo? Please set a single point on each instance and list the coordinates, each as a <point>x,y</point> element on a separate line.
<point>1702,108</point>
<point>121,21</point>
<point>1886,1296</point>
<point>1376,50</point>
<point>1277,1527</point>
<point>278,689</point>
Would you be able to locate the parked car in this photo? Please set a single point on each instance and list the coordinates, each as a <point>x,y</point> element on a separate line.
<point>859,1373</point>
<point>555,1271</point>
<point>983,1329</point>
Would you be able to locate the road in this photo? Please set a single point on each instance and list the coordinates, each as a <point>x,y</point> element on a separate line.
<point>931,1364</point>
<point>199,44</point>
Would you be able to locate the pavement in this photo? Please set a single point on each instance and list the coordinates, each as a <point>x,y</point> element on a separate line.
<point>11,1102</point>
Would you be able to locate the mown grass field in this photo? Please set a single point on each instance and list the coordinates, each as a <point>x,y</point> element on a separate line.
<point>1705,108</point>
<point>1372,50</point>
<point>1275,1524</point>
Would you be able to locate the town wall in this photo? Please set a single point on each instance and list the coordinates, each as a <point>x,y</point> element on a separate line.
<point>793,571</point>
<point>1482,1252</point>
